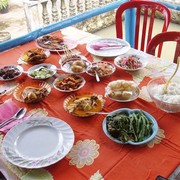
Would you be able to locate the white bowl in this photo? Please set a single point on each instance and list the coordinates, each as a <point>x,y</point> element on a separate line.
<point>66,65</point>
<point>64,77</point>
<point>52,68</point>
<point>6,72</point>
<point>100,71</point>
<point>118,61</point>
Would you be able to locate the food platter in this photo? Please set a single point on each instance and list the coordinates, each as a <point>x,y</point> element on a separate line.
<point>38,142</point>
<point>10,72</point>
<point>55,43</point>
<point>35,56</point>
<point>108,47</point>
<point>32,91</point>
<point>42,71</point>
<point>122,91</point>
<point>130,62</point>
<point>84,105</point>
<point>75,65</point>
<point>69,82</point>
<point>103,69</point>
<point>129,119</point>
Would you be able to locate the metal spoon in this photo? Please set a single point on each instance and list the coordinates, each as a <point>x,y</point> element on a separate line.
<point>169,80</point>
<point>96,73</point>
<point>18,115</point>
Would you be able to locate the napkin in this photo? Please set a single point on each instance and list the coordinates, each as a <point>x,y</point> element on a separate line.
<point>7,110</point>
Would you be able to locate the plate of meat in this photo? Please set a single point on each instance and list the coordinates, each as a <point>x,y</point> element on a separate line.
<point>55,43</point>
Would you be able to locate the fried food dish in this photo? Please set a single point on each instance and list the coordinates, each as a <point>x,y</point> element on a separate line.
<point>69,83</point>
<point>51,42</point>
<point>34,56</point>
<point>34,95</point>
<point>121,89</point>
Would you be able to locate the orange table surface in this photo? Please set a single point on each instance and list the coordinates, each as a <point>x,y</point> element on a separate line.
<point>93,152</point>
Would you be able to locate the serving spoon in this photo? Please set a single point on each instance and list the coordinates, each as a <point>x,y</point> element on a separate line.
<point>169,80</point>
<point>20,114</point>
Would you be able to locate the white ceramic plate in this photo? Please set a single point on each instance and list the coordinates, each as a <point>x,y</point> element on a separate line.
<point>38,142</point>
<point>71,44</point>
<point>134,96</point>
<point>118,60</point>
<point>6,72</point>
<point>124,46</point>
<point>51,67</point>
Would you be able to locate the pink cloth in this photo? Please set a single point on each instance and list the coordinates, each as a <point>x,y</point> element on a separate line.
<point>7,110</point>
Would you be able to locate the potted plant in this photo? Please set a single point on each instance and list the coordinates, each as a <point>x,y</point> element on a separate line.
<point>4,6</point>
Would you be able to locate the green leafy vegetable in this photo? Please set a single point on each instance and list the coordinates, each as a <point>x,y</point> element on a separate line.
<point>125,127</point>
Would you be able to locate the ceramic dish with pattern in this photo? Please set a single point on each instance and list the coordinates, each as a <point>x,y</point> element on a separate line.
<point>56,43</point>
<point>108,47</point>
<point>122,91</point>
<point>130,62</point>
<point>84,105</point>
<point>130,126</point>
<point>32,92</point>
<point>10,72</point>
<point>103,69</point>
<point>38,142</point>
<point>78,64</point>
<point>42,71</point>
<point>35,56</point>
<point>69,82</point>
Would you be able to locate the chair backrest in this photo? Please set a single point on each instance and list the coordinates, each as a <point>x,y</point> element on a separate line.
<point>165,37</point>
<point>146,10</point>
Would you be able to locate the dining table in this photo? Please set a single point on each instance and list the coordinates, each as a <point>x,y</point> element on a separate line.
<point>93,155</point>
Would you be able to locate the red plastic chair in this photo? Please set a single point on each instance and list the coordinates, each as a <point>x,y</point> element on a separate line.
<point>149,9</point>
<point>165,37</point>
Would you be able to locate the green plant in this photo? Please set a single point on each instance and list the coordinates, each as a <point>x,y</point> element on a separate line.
<point>3,4</point>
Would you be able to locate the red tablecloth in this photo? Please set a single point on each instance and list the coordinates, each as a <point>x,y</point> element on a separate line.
<point>93,152</point>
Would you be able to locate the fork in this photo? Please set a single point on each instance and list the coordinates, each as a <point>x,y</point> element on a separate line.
<point>106,46</point>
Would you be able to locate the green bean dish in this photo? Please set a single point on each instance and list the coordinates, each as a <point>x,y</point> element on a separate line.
<point>135,126</point>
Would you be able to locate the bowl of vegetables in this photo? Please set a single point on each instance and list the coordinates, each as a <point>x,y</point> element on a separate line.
<point>130,62</point>
<point>42,71</point>
<point>130,126</point>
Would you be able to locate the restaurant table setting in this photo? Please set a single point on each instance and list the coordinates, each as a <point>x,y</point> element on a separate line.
<point>76,105</point>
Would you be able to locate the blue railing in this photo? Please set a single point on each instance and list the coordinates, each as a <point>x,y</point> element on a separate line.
<point>59,25</point>
<point>79,18</point>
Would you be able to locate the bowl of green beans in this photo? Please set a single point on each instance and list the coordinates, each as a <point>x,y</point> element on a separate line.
<point>130,126</point>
